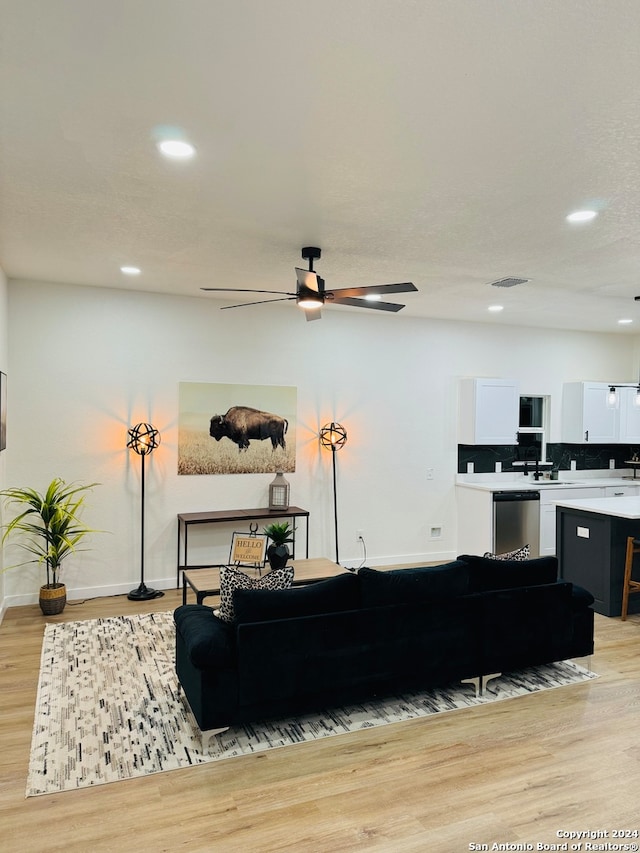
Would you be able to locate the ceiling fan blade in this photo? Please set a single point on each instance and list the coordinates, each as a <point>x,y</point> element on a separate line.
<point>313,313</point>
<point>366,303</point>
<point>260,302</point>
<point>245,290</point>
<point>309,279</point>
<point>403,287</point>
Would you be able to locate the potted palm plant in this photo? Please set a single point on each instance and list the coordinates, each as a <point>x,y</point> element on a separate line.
<point>278,550</point>
<point>51,530</point>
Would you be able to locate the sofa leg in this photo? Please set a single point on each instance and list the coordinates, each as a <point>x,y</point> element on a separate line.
<point>480,682</point>
<point>475,682</point>
<point>584,662</point>
<point>487,678</point>
<point>205,736</point>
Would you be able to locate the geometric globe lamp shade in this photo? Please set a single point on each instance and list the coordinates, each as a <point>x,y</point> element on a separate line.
<point>333,437</point>
<point>143,440</point>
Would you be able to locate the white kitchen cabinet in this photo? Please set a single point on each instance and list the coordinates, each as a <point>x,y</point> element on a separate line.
<point>620,491</point>
<point>548,497</point>
<point>586,417</point>
<point>629,429</point>
<point>489,411</point>
<point>475,520</point>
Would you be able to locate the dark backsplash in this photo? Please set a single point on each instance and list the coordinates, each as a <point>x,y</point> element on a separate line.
<point>587,456</point>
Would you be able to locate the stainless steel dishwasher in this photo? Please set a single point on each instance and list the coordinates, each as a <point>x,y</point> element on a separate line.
<point>516,521</point>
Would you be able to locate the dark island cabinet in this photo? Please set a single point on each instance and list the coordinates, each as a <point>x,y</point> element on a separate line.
<point>591,551</point>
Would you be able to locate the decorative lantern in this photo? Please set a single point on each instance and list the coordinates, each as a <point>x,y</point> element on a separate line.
<point>279,492</point>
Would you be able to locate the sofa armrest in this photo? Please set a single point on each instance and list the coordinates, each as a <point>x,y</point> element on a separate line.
<point>581,598</point>
<point>526,626</point>
<point>209,642</point>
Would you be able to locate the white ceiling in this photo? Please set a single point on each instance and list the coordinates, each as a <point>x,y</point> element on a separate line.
<point>436,141</point>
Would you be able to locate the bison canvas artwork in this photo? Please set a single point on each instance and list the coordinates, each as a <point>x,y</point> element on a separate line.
<point>236,429</point>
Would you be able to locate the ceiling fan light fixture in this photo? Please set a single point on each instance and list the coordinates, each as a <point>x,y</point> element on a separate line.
<point>308,298</point>
<point>311,293</point>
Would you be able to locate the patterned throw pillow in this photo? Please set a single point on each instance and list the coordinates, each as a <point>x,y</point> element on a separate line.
<point>232,579</point>
<point>518,554</point>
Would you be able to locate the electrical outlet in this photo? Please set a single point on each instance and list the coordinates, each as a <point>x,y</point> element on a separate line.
<point>359,535</point>
<point>429,473</point>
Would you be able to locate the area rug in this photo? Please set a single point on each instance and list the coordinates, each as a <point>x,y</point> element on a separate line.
<point>108,707</point>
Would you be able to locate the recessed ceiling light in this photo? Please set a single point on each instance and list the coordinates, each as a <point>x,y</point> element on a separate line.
<point>582,216</point>
<point>176,149</point>
<point>373,297</point>
<point>625,321</point>
<point>495,308</point>
<point>130,270</point>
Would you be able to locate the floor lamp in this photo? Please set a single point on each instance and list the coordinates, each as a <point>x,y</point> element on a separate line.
<point>143,440</point>
<point>333,437</point>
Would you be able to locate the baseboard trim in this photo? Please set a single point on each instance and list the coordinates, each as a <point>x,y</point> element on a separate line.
<point>402,560</point>
<point>396,560</point>
<point>90,592</point>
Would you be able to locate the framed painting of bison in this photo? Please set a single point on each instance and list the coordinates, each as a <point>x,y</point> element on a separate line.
<point>236,429</point>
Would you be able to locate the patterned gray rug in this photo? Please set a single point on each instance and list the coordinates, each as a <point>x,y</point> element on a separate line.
<point>108,707</point>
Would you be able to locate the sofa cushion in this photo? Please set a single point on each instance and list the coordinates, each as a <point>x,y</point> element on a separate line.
<point>486,573</point>
<point>409,586</point>
<point>232,579</point>
<point>518,554</point>
<point>327,596</point>
<point>209,641</point>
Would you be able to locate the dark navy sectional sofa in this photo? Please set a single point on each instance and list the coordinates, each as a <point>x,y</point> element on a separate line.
<point>373,633</point>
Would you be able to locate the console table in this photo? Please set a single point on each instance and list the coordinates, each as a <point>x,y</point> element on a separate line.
<point>264,514</point>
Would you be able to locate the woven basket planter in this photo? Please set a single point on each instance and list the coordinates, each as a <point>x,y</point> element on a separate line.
<point>53,598</point>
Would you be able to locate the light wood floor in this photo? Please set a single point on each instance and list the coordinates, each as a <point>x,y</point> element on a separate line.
<point>514,771</point>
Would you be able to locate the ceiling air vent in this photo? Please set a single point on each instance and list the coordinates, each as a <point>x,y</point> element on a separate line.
<point>509,282</point>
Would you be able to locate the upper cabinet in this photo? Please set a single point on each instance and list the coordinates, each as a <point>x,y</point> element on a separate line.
<point>489,411</point>
<point>629,416</point>
<point>588,418</point>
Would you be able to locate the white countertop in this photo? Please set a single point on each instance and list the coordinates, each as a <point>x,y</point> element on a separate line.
<point>522,484</point>
<point>617,507</point>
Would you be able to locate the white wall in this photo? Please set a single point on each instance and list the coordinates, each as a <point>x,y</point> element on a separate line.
<point>4,362</point>
<point>87,363</point>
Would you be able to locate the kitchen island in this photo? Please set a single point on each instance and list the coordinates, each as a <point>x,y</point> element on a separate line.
<point>591,539</point>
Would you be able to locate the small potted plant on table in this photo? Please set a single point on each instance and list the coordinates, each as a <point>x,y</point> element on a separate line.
<point>51,529</point>
<point>278,550</point>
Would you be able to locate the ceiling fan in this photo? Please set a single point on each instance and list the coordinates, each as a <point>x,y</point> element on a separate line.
<point>311,294</point>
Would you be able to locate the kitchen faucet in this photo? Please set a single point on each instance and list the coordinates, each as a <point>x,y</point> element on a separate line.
<point>537,473</point>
